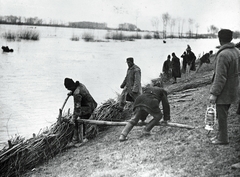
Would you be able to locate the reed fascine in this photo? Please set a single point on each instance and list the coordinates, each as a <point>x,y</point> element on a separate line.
<point>121,36</point>
<point>29,35</point>
<point>88,37</point>
<point>74,38</point>
<point>10,35</point>
<point>23,34</point>
<point>147,36</point>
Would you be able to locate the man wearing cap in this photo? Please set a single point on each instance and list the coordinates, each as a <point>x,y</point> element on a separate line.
<point>145,104</point>
<point>132,83</point>
<point>190,59</point>
<point>84,104</point>
<point>204,59</point>
<point>224,89</point>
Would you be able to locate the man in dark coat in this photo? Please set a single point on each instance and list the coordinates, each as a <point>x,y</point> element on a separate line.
<point>225,86</point>
<point>167,67</point>
<point>176,68</point>
<point>204,59</point>
<point>132,83</point>
<point>145,104</point>
<point>184,62</point>
<point>84,104</point>
<point>191,58</point>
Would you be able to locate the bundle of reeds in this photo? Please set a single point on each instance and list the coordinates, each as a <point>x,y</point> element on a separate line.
<point>24,155</point>
<point>108,111</point>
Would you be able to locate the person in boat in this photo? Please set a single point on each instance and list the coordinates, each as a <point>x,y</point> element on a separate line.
<point>6,49</point>
<point>145,104</point>
<point>84,104</point>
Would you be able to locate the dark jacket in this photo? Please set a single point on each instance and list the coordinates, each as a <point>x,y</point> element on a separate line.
<point>205,58</point>
<point>176,68</point>
<point>84,104</point>
<point>166,66</point>
<point>227,68</point>
<point>191,58</point>
<point>184,62</point>
<point>150,99</point>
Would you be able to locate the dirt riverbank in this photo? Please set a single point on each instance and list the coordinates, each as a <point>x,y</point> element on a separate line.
<point>169,151</point>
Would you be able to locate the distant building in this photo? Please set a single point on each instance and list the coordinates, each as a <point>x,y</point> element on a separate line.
<point>127,27</point>
<point>92,25</point>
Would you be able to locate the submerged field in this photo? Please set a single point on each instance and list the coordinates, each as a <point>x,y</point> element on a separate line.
<point>169,151</point>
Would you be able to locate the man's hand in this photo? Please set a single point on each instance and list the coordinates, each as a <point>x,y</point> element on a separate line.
<point>213,99</point>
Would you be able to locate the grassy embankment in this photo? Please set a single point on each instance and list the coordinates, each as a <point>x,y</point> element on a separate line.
<point>169,151</point>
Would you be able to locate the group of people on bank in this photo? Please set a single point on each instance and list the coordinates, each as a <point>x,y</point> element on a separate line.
<point>174,69</point>
<point>145,101</point>
<point>223,92</point>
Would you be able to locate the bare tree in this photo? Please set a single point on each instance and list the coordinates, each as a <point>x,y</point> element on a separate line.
<point>172,26</point>
<point>213,29</point>
<point>183,21</point>
<point>197,26</point>
<point>190,22</point>
<point>155,23</point>
<point>178,20</point>
<point>165,17</point>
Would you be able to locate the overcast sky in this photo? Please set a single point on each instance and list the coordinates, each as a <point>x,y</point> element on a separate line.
<point>220,13</point>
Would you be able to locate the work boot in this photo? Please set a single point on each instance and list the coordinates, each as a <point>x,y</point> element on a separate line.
<point>145,132</point>
<point>125,131</point>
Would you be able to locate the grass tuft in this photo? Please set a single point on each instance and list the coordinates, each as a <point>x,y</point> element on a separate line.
<point>24,34</point>
<point>88,37</point>
<point>74,38</point>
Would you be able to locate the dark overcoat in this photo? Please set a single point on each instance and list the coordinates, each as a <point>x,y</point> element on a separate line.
<point>176,68</point>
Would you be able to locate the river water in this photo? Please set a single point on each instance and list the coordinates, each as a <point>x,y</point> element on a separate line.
<point>31,77</point>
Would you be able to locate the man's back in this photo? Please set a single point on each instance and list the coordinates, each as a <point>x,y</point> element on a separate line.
<point>225,83</point>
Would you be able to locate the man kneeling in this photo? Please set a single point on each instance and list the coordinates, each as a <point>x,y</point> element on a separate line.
<point>145,104</point>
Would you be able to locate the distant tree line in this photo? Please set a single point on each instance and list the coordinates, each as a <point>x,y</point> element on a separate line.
<point>84,24</point>
<point>168,26</point>
<point>169,23</point>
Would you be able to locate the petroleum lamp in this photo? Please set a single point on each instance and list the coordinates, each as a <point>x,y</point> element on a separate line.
<point>210,117</point>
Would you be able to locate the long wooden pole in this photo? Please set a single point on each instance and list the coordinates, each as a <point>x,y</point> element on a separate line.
<point>110,123</point>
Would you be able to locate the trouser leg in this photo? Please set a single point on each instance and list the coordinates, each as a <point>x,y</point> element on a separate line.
<point>156,118</point>
<point>140,114</point>
<point>86,116</point>
<point>75,132</point>
<point>200,64</point>
<point>127,129</point>
<point>222,113</point>
<point>122,99</point>
<point>238,109</point>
